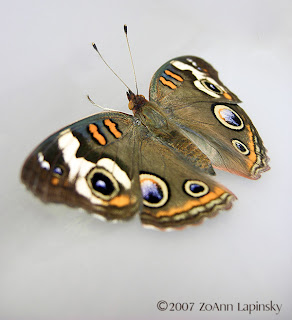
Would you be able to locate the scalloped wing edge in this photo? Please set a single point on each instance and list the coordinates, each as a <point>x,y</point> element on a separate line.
<point>155,223</point>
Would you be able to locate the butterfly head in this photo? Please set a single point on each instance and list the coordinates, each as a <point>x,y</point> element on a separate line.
<point>135,101</point>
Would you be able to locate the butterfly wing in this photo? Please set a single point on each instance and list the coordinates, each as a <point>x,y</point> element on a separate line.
<point>111,165</point>
<point>176,193</point>
<point>188,89</point>
<point>90,164</point>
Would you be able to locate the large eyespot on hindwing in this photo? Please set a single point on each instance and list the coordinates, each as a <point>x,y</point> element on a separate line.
<point>155,191</point>
<point>102,183</point>
<point>228,117</point>
<point>196,188</point>
<point>240,147</point>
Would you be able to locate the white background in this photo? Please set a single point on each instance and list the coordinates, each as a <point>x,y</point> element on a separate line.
<point>60,263</point>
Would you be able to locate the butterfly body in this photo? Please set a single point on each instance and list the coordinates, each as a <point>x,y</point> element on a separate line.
<point>158,161</point>
<point>167,132</point>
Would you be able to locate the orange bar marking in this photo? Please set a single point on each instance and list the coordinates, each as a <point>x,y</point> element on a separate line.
<point>112,128</point>
<point>167,83</point>
<point>174,76</point>
<point>93,129</point>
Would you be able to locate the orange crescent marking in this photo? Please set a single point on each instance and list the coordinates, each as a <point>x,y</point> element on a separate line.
<point>112,128</point>
<point>192,203</point>
<point>174,76</point>
<point>55,181</point>
<point>219,112</point>
<point>120,201</point>
<point>148,179</point>
<point>167,83</point>
<point>96,135</point>
<point>227,96</point>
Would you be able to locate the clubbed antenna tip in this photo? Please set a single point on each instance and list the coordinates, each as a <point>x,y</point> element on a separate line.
<point>95,48</point>
<point>126,33</point>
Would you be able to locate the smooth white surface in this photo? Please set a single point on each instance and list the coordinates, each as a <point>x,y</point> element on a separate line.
<point>60,263</point>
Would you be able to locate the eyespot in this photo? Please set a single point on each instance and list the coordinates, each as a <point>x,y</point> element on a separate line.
<point>58,171</point>
<point>240,146</point>
<point>211,86</point>
<point>154,190</point>
<point>196,188</point>
<point>228,117</point>
<point>102,183</point>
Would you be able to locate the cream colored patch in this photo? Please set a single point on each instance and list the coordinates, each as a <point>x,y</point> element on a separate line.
<point>201,76</point>
<point>69,146</point>
<point>78,167</point>
<point>43,163</point>
<point>112,167</point>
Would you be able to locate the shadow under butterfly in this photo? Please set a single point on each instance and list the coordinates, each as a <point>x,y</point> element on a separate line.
<point>158,161</point>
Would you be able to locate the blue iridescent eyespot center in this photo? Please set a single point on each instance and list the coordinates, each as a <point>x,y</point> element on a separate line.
<point>212,87</point>
<point>58,170</point>
<point>196,188</point>
<point>240,147</point>
<point>154,190</point>
<point>151,191</point>
<point>228,117</point>
<point>101,183</point>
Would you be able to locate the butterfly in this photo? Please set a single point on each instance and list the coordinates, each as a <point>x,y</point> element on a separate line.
<point>157,162</point>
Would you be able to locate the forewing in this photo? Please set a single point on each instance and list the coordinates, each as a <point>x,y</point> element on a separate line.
<point>189,91</point>
<point>92,164</point>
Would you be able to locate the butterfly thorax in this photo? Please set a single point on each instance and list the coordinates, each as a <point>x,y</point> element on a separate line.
<point>148,113</point>
<point>161,127</point>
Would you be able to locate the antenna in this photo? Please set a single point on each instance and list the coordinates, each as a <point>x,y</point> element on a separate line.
<point>96,105</point>
<point>126,33</point>
<point>95,48</point>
